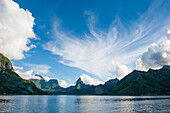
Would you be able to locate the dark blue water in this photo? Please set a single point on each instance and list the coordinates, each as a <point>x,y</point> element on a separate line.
<point>85,104</point>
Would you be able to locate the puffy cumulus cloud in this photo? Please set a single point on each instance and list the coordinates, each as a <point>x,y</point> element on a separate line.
<point>63,83</point>
<point>95,51</point>
<point>155,57</point>
<point>88,80</point>
<point>34,69</point>
<point>46,78</point>
<point>30,75</point>
<point>16,29</point>
<point>119,69</point>
<point>27,75</point>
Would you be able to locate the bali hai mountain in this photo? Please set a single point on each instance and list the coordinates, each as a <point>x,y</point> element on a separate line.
<point>152,82</point>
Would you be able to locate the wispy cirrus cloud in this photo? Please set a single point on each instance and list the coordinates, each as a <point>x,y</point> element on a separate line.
<point>103,53</point>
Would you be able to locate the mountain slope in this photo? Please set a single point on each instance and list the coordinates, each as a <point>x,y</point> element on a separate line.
<point>78,88</point>
<point>84,89</point>
<point>100,89</point>
<point>51,85</point>
<point>153,82</point>
<point>12,83</point>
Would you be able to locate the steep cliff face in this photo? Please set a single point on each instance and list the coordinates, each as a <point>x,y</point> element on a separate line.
<point>12,83</point>
<point>5,63</point>
<point>80,85</point>
<point>51,85</point>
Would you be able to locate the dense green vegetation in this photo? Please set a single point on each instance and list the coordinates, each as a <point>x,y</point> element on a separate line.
<point>5,63</point>
<point>153,82</point>
<point>51,85</point>
<point>84,89</point>
<point>12,83</point>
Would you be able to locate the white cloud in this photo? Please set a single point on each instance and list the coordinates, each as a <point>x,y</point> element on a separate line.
<point>30,75</point>
<point>71,84</point>
<point>155,57</point>
<point>33,46</point>
<point>46,78</point>
<point>168,33</point>
<point>88,80</point>
<point>27,75</point>
<point>96,51</point>
<point>34,69</point>
<point>16,28</point>
<point>63,83</point>
<point>120,70</point>
<point>18,68</point>
<point>38,68</point>
<point>109,78</point>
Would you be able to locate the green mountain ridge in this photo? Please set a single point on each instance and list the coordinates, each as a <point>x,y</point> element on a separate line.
<point>85,89</point>
<point>152,82</point>
<point>11,83</point>
<point>51,85</point>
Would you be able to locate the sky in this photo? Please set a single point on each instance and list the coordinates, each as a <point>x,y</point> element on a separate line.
<point>93,39</point>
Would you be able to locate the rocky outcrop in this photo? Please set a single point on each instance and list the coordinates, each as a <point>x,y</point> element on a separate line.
<point>5,63</point>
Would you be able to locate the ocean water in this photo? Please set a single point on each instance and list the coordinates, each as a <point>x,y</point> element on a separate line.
<point>84,104</point>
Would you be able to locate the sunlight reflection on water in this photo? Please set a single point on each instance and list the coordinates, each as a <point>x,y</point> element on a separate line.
<point>84,104</point>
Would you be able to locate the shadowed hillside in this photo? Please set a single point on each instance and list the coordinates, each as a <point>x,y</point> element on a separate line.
<point>153,82</point>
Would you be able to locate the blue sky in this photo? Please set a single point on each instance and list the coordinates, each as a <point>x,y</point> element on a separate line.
<point>90,38</point>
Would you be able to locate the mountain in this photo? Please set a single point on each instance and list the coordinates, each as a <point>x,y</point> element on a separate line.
<point>101,89</point>
<point>11,83</point>
<point>85,89</point>
<point>80,85</point>
<point>153,82</point>
<point>111,82</point>
<point>51,85</point>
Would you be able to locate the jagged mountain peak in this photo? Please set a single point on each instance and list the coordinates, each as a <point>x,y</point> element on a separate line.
<point>79,81</point>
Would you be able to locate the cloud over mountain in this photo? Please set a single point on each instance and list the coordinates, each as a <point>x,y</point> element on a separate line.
<point>63,83</point>
<point>155,57</point>
<point>16,29</point>
<point>122,44</point>
<point>89,80</point>
<point>32,70</point>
